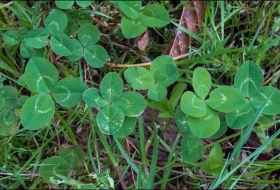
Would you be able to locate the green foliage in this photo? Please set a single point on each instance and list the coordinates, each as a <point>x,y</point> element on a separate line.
<point>249,79</point>
<point>115,104</point>
<point>60,28</point>
<point>56,21</point>
<point>69,158</point>
<point>226,99</point>
<point>205,126</point>
<point>213,164</point>
<point>10,103</point>
<point>163,72</point>
<point>70,37</point>
<point>40,75</point>
<point>53,165</point>
<point>68,92</point>
<point>192,148</point>
<point>135,21</point>
<point>37,111</point>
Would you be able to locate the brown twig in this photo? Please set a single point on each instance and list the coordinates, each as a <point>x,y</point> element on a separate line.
<point>143,64</point>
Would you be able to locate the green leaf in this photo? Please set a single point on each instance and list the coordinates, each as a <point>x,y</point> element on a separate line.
<point>56,21</point>
<point>110,119</point>
<point>93,98</point>
<point>131,103</point>
<point>8,97</point>
<point>62,45</point>
<point>11,37</point>
<point>272,107</point>
<point>204,127</point>
<point>127,127</point>
<point>25,50</point>
<point>40,75</point>
<point>249,79</point>
<point>64,4</point>
<point>77,50</point>
<point>37,38</point>
<point>20,101</point>
<point>131,9</point>
<point>79,16</point>
<point>241,118</point>
<point>53,165</point>
<point>73,155</point>
<point>37,111</point>
<point>226,99</point>
<point>71,29</point>
<point>157,92</point>
<point>214,164</point>
<point>201,82</point>
<point>265,120</point>
<point>132,28</point>
<point>111,86</point>
<point>192,105</point>
<point>95,55</point>
<point>164,70</point>
<point>155,15</point>
<point>181,121</point>
<point>139,78</point>
<point>223,127</point>
<point>158,105</point>
<point>83,3</point>
<point>176,94</point>
<point>88,34</point>
<point>191,148</point>
<point>68,92</point>
<point>8,122</point>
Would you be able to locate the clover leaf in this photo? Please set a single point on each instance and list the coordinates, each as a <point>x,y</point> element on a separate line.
<point>88,34</point>
<point>214,164</point>
<point>272,107</point>
<point>11,37</point>
<point>9,105</point>
<point>132,28</point>
<point>163,72</point>
<point>40,75</point>
<point>193,105</point>
<point>37,111</point>
<point>192,148</point>
<point>116,106</point>
<point>226,99</point>
<point>155,15</point>
<point>56,21</point>
<point>131,9</point>
<point>135,21</point>
<point>37,38</point>
<point>201,82</point>
<point>68,91</point>
<point>248,79</point>
<point>206,126</point>
<point>54,165</point>
<point>241,117</point>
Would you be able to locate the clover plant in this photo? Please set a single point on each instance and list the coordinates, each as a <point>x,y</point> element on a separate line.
<point>205,112</point>
<point>33,41</point>
<point>41,77</point>
<point>163,72</point>
<point>67,159</point>
<point>135,21</point>
<point>118,108</point>
<point>10,108</point>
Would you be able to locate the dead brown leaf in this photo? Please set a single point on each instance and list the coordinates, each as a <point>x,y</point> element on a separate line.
<point>142,41</point>
<point>191,20</point>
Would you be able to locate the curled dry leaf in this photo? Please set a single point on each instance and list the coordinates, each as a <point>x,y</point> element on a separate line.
<point>191,20</point>
<point>142,41</point>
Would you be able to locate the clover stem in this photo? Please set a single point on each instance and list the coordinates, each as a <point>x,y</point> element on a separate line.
<point>142,64</point>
